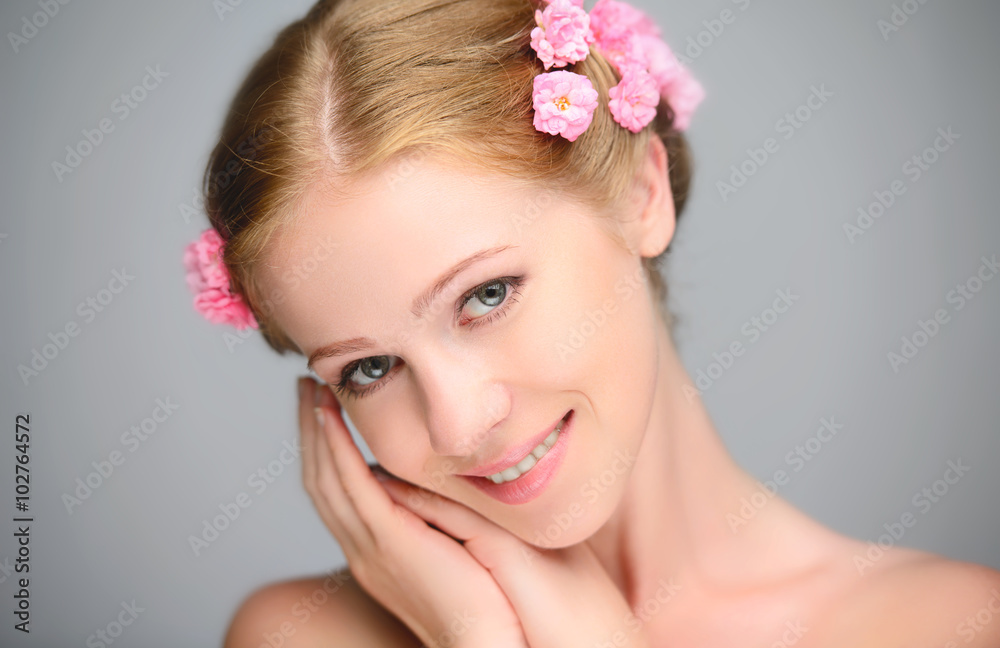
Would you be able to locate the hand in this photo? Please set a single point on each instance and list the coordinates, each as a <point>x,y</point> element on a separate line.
<point>563,598</point>
<point>425,578</point>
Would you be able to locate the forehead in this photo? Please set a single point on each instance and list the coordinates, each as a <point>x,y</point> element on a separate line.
<point>416,201</point>
<point>353,259</point>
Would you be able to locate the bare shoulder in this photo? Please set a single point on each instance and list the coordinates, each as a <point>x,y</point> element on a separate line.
<point>330,611</point>
<point>919,598</point>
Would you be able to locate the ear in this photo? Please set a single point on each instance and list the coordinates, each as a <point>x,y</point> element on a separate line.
<point>652,204</point>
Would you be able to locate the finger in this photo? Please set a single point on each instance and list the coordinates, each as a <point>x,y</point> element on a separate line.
<point>456,520</point>
<point>307,431</point>
<point>368,499</point>
<point>536,584</point>
<point>331,491</point>
<point>531,580</point>
<point>317,464</point>
<point>537,588</point>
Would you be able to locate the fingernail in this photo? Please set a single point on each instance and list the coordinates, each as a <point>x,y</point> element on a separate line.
<point>302,387</point>
<point>319,415</point>
<point>318,400</point>
<point>382,477</point>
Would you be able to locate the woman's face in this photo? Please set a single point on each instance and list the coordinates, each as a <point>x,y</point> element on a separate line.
<point>465,314</point>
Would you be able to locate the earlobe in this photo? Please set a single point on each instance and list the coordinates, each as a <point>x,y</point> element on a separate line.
<point>658,218</point>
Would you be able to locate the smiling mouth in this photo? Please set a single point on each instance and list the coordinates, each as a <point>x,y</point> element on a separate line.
<point>527,477</point>
<point>529,461</point>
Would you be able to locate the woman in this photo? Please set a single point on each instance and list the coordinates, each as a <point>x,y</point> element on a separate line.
<point>456,212</point>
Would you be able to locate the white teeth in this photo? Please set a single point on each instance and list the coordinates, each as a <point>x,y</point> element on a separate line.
<point>526,464</point>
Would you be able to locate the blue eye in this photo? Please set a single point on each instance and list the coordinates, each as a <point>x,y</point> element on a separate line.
<point>489,295</point>
<point>491,301</point>
<point>377,365</point>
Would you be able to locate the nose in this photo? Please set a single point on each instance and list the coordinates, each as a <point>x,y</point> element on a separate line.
<point>463,400</point>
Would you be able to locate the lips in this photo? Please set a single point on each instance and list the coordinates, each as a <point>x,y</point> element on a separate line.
<point>515,454</point>
<point>535,480</point>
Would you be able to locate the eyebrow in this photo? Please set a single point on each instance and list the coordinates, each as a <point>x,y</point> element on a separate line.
<point>418,308</point>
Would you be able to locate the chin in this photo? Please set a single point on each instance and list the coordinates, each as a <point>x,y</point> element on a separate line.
<point>580,501</point>
<point>568,523</point>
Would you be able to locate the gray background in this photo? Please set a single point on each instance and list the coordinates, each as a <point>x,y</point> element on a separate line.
<point>827,356</point>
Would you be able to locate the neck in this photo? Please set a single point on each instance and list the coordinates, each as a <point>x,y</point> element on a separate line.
<point>678,521</point>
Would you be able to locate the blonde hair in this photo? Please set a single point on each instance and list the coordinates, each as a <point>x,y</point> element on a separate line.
<point>357,83</point>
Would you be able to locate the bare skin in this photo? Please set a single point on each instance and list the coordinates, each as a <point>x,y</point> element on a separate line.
<point>656,559</point>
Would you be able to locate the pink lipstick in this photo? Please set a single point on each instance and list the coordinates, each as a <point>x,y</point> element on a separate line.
<point>526,470</point>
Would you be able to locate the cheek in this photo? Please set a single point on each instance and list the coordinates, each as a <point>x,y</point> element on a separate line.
<point>599,346</point>
<point>401,446</point>
<point>591,326</point>
<point>623,360</point>
<point>397,446</point>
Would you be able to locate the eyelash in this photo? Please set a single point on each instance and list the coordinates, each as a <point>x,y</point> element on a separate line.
<point>512,284</point>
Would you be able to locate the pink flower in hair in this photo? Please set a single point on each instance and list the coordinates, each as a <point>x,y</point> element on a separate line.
<point>625,52</point>
<point>629,39</point>
<point>616,26</point>
<point>204,267</point>
<point>564,103</point>
<point>684,94</point>
<point>657,57</point>
<point>634,100</point>
<point>219,306</point>
<point>641,48</point>
<point>208,279</point>
<point>676,85</point>
<point>615,15</point>
<point>563,34</point>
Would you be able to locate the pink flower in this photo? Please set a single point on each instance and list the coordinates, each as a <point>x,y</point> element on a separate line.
<point>563,34</point>
<point>201,261</point>
<point>208,278</point>
<point>684,94</point>
<point>626,52</point>
<point>610,16</point>
<point>648,52</point>
<point>634,100</point>
<point>219,306</point>
<point>564,103</point>
<point>677,87</point>
<point>650,72</point>
<point>658,58</point>
<point>615,26</point>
